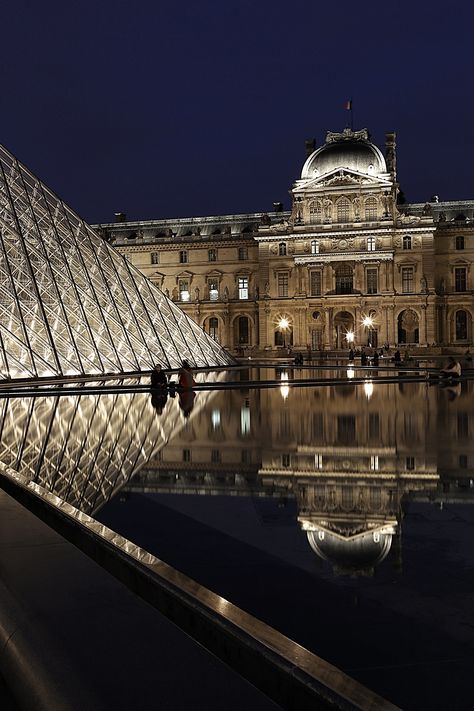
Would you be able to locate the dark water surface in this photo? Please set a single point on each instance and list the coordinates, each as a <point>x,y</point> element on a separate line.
<point>341,515</point>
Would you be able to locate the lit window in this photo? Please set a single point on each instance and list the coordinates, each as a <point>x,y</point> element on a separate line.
<point>183,288</point>
<point>183,256</point>
<point>283,284</point>
<point>213,286</point>
<point>374,463</point>
<point>243,288</point>
<point>407,280</point>
<point>216,419</point>
<point>245,420</point>
<point>282,249</point>
<point>407,242</point>
<point>371,244</point>
<point>315,246</point>
<point>243,254</point>
<point>212,255</point>
<point>155,257</point>
<point>460,280</point>
<point>318,461</point>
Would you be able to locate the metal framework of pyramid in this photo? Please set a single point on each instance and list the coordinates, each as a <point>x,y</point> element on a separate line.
<point>71,305</point>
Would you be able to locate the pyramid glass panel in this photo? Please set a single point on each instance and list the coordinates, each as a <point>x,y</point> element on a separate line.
<point>71,305</point>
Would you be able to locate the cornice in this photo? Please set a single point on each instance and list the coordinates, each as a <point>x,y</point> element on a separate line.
<point>376,256</point>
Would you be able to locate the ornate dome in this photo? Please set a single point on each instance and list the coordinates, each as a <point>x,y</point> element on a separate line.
<point>349,149</point>
<point>359,554</point>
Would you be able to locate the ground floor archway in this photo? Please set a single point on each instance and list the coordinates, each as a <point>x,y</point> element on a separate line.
<point>408,327</point>
<point>343,324</point>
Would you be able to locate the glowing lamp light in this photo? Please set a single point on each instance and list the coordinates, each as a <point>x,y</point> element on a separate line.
<point>368,389</point>
<point>350,373</point>
<point>350,337</point>
<point>368,322</point>
<point>284,323</point>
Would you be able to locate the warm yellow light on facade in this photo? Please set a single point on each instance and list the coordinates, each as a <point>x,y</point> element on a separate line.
<point>368,321</point>
<point>350,337</point>
<point>283,324</point>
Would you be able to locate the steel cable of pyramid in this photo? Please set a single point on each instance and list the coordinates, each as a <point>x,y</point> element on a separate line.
<point>47,438</point>
<point>14,167</point>
<point>53,279</point>
<point>79,302</point>
<point>93,291</point>
<point>156,311</point>
<point>99,444</point>
<point>118,284</point>
<point>124,330</point>
<point>174,313</point>
<point>20,313</point>
<point>152,314</point>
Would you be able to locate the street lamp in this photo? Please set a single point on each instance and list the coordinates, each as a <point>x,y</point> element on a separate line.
<point>284,325</point>
<point>368,322</point>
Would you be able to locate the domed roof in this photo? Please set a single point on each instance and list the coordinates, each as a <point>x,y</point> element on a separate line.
<point>357,554</point>
<point>349,149</point>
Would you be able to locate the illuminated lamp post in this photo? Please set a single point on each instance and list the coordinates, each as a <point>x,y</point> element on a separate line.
<point>283,325</point>
<point>368,323</point>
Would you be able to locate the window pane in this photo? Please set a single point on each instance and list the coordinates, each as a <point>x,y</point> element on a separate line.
<point>283,284</point>
<point>315,283</point>
<point>407,280</point>
<point>243,288</point>
<point>372,281</point>
<point>460,279</point>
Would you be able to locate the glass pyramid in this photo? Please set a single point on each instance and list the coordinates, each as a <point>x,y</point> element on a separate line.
<point>71,305</point>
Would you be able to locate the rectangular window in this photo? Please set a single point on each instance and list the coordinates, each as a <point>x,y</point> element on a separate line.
<point>315,246</point>
<point>285,460</point>
<point>372,286</point>
<point>460,281</point>
<point>410,463</point>
<point>186,455</point>
<point>407,280</point>
<point>346,429</point>
<point>183,288</point>
<point>243,288</point>
<point>244,420</point>
<point>463,461</point>
<point>213,286</point>
<point>318,461</point>
<point>460,242</point>
<point>245,456</point>
<point>215,456</point>
<point>243,254</point>
<point>283,284</point>
<point>155,257</point>
<point>374,463</point>
<point>315,283</point>
<point>371,244</point>
<point>212,255</point>
<point>183,256</point>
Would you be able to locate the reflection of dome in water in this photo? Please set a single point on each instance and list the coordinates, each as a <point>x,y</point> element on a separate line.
<point>346,150</point>
<point>350,555</point>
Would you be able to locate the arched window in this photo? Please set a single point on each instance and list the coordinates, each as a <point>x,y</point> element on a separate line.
<point>343,210</point>
<point>213,327</point>
<point>315,211</point>
<point>460,242</point>
<point>461,326</point>
<point>243,330</point>
<point>315,246</point>
<point>371,209</point>
<point>282,249</point>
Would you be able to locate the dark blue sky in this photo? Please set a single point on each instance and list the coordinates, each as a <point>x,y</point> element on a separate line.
<point>193,108</point>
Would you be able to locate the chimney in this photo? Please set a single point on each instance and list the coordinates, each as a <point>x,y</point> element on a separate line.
<point>120,217</point>
<point>310,145</point>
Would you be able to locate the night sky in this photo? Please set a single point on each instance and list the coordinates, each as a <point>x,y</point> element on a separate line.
<point>198,108</point>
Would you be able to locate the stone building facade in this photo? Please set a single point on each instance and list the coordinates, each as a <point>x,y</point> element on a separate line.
<point>348,264</point>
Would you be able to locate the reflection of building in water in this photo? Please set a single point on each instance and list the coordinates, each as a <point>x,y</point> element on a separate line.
<point>349,455</point>
<point>84,448</point>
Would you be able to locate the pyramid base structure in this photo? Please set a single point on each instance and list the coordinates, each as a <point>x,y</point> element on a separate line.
<point>72,306</point>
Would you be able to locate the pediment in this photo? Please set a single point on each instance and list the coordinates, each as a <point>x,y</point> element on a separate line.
<point>341,177</point>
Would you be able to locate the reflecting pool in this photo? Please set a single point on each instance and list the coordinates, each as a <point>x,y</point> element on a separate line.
<point>339,514</point>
